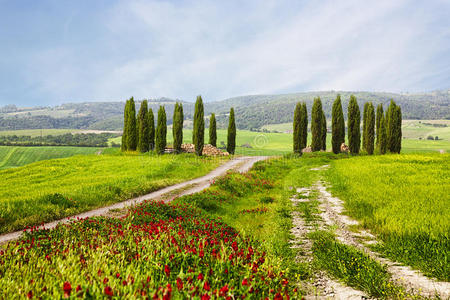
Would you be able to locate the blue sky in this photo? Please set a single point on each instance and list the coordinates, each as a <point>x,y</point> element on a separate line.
<point>58,51</point>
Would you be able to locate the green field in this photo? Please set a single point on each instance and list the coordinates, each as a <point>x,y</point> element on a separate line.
<point>12,156</point>
<point>57,188</point>
<point>38,132</point>
<point>404,199</point>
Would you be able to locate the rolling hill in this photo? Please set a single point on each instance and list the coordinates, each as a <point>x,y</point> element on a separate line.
<point>252,112</point>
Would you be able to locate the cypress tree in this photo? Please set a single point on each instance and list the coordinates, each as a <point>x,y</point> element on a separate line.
<point>382,145</point>
<point>366,107</point>
<point>132,131</point>
<point>392,127</point>
<point>354,123</point>
<point>124,146</point>
<point>323,136</point>
<point>161,131</point>
<point>212,131</point>
<point>297,134</point>
<point>379,116</point>
<point>398,130</point>
<point>198,134</point>
<point>177,127</point>
<point>303,126</point>
<point>143,137</point>
<point>337,125</point>
<point>151,129</point>
<point>231,138</point>
<point>370,128</point>
<point>316,125</point>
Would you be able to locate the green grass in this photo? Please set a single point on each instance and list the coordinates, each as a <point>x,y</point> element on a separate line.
<point>52,189</point>
<point>12,156</point>
<point>38,132</point>
<point>404,199</point>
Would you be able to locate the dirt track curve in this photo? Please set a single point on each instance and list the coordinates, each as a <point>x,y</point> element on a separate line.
<point>240,164</point>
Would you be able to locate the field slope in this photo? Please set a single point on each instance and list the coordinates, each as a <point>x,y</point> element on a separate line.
<point>57,188</point>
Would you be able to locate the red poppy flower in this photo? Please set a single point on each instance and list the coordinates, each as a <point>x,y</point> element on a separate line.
<point>30,295</point>
<point>67,288</point>
<point>206,297</point>
<point>179,284</point>
<point>200,276</point>
<point>167,270</point>
<point>117,275</point>
<point>108,291</point>
<point>105,280</point>
<point>124,282</point>
<point>244,281</point>
<point>78,288</point>
<point>223,290</point>
<point>206,286</point>
<point>278,297</point>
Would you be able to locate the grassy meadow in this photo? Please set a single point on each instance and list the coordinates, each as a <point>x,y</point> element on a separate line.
<point>404,199</point>
<point>38,132</point>
<point>13,156</point>
<point>53,189</point>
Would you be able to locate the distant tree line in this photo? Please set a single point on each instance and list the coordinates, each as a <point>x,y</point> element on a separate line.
<point>140,133</point>
<point>386,127</point>
<point>68,139</point>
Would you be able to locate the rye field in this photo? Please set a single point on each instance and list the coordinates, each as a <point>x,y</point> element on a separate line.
<point>57,188</point>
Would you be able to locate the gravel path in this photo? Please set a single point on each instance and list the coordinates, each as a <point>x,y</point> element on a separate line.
<point>240,164</point>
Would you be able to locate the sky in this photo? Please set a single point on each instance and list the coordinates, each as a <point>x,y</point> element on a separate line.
<point>57,51</point>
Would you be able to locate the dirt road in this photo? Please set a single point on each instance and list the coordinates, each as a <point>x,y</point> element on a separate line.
<point>240,164</point>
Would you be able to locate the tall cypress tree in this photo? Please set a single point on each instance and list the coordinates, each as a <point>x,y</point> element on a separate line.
<point>124,145</point>
<point>177,127</point>
<point>316,125</point>
<point>379,116</point>
<point>370,128</point>
<point>391,126</point>
<point>366,107</point>
<point>398,130</point>
<point>337,125</point>
<point>303,126</point>
<point>212,131</point>
<point>198,134</point>
<point>354,123</point>
<point>297,130</point>
<point>382,145</point>
<point>151,129</point>
<point>323,136</point>
<point>132,131</point>
<point>143,137</point>
<point>231,137</point>
<point>161,131</point>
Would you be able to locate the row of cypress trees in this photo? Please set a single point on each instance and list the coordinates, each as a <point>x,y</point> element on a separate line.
<point>387,126</point>
<point>140,134</point>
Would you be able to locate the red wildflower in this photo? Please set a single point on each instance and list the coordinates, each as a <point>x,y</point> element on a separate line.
<point>206,286</point>
<point>223,290</point>
<point>67,288</point>
<point>108,291</point>
<point>117,275</point>
<point>179,284</point>
<point>124,282</point>
<point>167,270</point>
<point>206,297</point>
<point>105,280</point>
<point>30,295</point>
<point>284,281</point>
<point>200,276</point>
<point>278,297</point>
<point>244,281</point>
<point>78,288</point>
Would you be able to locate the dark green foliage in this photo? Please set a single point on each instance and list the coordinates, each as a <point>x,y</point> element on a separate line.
<point>198,134</point>
<point>124,145</point>
<point>316,125</point>
<point>67,139</point>
<point>177,127</point>
<point>323,136</point>
<point>370,128</point>
<point>354,123</point>
<point>212,131</point>
<point>151,129</point>
<point>231,138</point>
<point>132,133</point>
<point>337,125</point>
<point>143,137</point>
<point>296,132</point>
<point>380,113</point>
<point>394,128</point>
<point>364,137</point>
<point>304,126</point>
<point>382,142</point>
<point>161,131</point>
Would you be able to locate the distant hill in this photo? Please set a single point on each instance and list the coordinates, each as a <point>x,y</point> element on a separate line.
<point>252,112</point>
